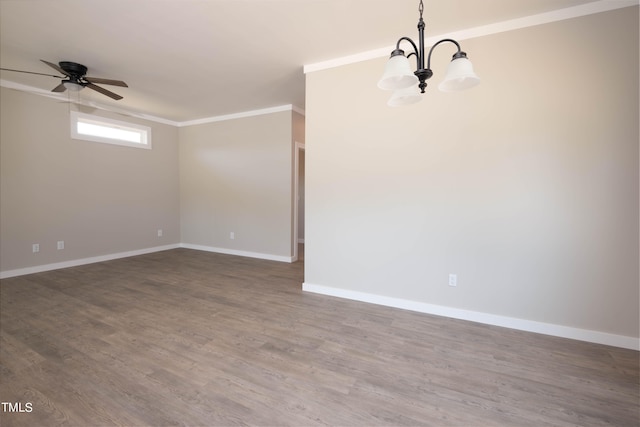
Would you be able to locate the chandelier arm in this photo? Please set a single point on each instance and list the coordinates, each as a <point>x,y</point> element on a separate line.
<point>415,48</point>
<point>436,44</point>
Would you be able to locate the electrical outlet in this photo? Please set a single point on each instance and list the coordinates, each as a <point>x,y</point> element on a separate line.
<point>453,280</point>
<point>35,247</point>
<point>60,244</point>
<point>159,232</point>
<point>232,235</point>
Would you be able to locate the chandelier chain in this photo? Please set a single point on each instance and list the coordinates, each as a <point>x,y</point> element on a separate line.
<point>421,8</point>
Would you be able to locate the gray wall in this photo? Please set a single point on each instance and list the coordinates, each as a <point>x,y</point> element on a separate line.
<point>236,176</point>
<point>197,184</point>
<point>99,198</point>
<point>526,186</point>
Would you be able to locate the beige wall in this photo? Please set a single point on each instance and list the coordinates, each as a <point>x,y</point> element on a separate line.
<point>526,187</point>
<point>236,176</point>
<point>99,198</point>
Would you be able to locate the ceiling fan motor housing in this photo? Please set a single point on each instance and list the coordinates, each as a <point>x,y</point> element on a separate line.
<point>74,69</point>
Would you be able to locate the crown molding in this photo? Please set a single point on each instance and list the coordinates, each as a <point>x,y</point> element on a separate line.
<point>485,30</point>
<point>241,115</point>
<point>62,98</point>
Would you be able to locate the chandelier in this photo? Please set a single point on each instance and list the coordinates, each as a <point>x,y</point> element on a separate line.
<point>407,85</point>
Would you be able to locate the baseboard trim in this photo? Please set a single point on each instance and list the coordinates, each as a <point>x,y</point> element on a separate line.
<point>227,251</point>
<point>83,261</point>
<point>474,316</point>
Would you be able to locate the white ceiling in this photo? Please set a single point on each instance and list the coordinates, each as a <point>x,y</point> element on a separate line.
<point>191,59</point>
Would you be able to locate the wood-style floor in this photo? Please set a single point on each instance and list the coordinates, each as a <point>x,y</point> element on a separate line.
<point>184,337</point>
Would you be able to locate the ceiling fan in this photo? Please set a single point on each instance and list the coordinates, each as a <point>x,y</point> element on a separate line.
<point>75,78</point>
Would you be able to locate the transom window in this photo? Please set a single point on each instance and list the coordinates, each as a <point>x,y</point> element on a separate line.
<point>100,129</point>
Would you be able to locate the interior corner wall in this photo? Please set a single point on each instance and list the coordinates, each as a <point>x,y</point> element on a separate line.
<point>526,187</point>
<point>298,127</point>
<point>236,177</point>
<point>100,199</point>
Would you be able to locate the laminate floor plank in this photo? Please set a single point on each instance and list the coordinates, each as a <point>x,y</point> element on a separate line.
<point>185,337</point>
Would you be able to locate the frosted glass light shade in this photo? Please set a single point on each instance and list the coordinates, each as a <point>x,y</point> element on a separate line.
<point>397,74</point>
<point>406,96</point>
<point>460,76</point>
<point>71,86</point>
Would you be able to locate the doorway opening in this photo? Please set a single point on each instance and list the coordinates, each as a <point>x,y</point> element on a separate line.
<point>299,191</point>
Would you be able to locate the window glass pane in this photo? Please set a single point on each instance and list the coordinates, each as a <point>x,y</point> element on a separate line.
<point>101,129</point>
<point>109,132</point>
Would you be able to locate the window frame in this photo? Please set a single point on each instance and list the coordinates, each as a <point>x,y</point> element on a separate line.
<point>78,117</point>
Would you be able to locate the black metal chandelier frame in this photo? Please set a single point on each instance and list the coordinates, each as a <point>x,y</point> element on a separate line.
<point>423,74</point>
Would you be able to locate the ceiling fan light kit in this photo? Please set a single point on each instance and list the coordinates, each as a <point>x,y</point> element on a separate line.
<point>72,86</point>
<point>408,86</point>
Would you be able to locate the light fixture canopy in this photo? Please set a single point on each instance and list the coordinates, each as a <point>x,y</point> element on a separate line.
<point>398,76</point>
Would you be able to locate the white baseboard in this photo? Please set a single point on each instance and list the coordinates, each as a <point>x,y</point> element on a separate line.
<point>474,316</point>
<point>227,251</point>
<point>82,261</point>
<point>76,262</point>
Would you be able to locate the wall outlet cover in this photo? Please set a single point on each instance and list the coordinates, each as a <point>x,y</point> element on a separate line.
<point>453,280</point>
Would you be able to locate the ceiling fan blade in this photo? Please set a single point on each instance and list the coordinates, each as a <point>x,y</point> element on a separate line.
<point>31,72</point>
<point>59,88</point>
<point>55,67</point>
<point>103,91</point>
<point>106,81</point>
